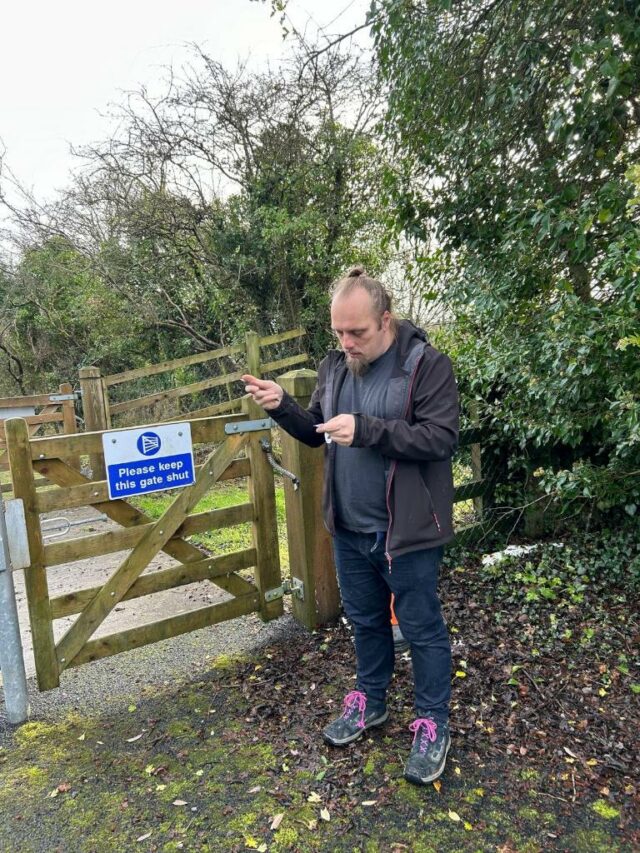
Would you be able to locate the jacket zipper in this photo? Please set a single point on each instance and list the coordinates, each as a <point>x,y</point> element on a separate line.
<point>395,465</point>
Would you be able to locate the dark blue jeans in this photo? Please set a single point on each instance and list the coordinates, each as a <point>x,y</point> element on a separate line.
<point>366,585</point>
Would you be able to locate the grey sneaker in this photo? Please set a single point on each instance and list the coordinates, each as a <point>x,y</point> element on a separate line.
<point>428,755</point>
<point>355,720</point>
<point>400,645</point>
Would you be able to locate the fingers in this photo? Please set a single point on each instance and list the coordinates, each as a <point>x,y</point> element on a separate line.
<point>248,379</point>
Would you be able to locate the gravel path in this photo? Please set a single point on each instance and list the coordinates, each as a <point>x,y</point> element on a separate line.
<point>119,679</point>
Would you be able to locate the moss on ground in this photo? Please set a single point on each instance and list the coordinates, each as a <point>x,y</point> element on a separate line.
<point>193,768</point>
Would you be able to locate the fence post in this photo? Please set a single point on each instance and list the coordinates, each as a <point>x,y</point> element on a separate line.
<point>265,524</point>
<point>252,344</point>
<point>35,575</point>
<point>94,410</point>
<point>476,460</point>
<point>69,426</point>
<point>310,548</point>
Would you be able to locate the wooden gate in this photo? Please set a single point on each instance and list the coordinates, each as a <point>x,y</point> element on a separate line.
<point>145,538</point>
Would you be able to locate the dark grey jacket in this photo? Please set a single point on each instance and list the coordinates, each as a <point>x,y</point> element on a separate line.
<point>417,438</point>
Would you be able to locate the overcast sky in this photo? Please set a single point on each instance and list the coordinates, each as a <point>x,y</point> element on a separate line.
<point>62,63</point>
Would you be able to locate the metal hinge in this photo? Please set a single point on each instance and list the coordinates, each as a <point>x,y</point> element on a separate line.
<point>294,587</point>
<point>249,426</point>
<point>62,398</point>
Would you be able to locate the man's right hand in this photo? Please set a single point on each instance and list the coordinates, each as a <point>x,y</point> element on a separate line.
<point>266,393</point>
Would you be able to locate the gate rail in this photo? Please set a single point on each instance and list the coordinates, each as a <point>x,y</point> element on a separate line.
<point>146,538</point>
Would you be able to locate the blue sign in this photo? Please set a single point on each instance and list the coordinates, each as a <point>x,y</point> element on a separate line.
<point>139,461</point>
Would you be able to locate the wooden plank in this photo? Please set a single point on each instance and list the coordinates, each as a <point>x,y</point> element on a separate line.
<point>175,393</point>
<point>172,364</point>
<point>203,431</point>
<point>69,424</point>
<point>272,366</point>
<point>35,576</point>
<point>83,547</point>
<point>212,567</point>
<point>282,336</point>
<point>96,492</point>
<point>475,489</point>
<point>153,541</point>
<point>471,435</point>
<point>128,516</point>
<point>217,409</point>
<point>32,420</point>
<point>265,524</point>
<point>32,400</point>
<point>184,623</point>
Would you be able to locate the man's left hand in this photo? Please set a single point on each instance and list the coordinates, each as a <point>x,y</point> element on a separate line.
<point>340,429</point>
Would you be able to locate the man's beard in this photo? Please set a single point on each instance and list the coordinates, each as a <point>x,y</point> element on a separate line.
<point>357,366</point>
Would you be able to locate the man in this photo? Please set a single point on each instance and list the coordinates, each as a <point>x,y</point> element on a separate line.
<point>386,404</point>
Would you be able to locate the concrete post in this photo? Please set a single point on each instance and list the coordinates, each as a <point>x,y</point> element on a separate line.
<point>310,547</point>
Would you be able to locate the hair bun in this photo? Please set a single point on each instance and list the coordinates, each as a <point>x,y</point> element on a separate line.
<point>356,272</point>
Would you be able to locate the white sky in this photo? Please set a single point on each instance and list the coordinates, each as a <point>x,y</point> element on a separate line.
<point>62,63</point>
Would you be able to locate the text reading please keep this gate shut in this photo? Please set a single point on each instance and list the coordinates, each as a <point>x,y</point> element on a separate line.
<point>148,459</point>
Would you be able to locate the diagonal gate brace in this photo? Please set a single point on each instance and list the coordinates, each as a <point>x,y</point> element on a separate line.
<point>151,543</point>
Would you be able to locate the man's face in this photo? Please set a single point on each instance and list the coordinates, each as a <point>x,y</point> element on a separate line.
<point>363,335</point>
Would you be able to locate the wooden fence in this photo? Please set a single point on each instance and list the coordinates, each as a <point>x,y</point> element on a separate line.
<point>100,408</point>
<point>146,538</point>
<point>40,412</point>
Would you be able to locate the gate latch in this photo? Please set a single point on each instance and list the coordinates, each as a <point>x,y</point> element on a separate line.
<point>294,587</point>
<point>265,444</point>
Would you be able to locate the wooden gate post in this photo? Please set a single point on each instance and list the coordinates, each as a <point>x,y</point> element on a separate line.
<point>69,426</point>
<point>252,344</point>
<point>94,410</point>
<point>265,523</point>
<point>35,576</point>
<point>310,547</point>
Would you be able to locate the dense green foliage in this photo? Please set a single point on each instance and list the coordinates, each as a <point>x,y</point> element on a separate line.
<point>515,134</point>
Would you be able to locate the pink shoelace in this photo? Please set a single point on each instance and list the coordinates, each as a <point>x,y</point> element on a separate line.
<point>427,730</point>
<point>358,700</point>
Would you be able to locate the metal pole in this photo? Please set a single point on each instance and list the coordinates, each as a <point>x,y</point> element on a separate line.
<point>14,678</point>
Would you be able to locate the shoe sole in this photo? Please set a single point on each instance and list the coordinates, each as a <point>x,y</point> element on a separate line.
<point>377,722</point>
<point>420,780</point>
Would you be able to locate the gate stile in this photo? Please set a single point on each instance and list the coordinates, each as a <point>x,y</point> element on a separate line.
<point>146,538</point>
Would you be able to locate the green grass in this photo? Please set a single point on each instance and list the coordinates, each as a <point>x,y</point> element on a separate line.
<point>227,539</point>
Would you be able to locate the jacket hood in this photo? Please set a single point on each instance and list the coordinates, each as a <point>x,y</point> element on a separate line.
<point>409,336</point>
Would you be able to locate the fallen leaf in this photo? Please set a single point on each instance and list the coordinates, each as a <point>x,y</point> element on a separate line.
<point>82,736</point>
<point>455,817</point>
<point>131,709</point>
<point>457,771</point>
<point>312,824</point>
<point>54,793</point>
<point>275,823</point>
<point>137,737</point>
<point>437,785</point>
<point>569,752</point>
<point>369,802</point>
<point>460,673</point>
<point>324,814</point>
<point>468,826</point>
<point>144,837</point>
<point>160,787</point>
<point>263,848</point>
<point>255,789</point>
<point>592,762</point>
<point>314,798</point>
<point>199,772</point>
<point>179,803</point>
